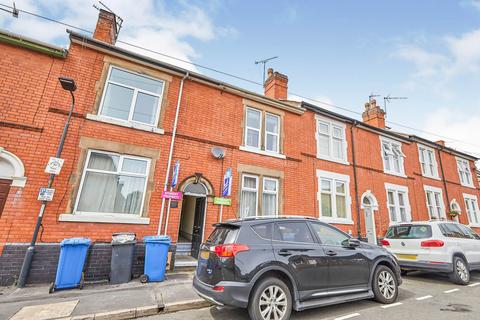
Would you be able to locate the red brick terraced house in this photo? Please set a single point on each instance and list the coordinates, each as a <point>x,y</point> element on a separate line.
<point>286,157</point>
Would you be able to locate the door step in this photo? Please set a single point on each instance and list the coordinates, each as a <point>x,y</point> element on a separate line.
<point>184,248</point>
<point>185,261</point>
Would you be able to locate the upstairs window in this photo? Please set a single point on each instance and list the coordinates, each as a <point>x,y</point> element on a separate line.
<point>132,97</point>
<point>262,130</point>
<point>398,204</point>
<point>464,172</point>
<point>428,162</point>
<point>393,157</point>
<point>331,141</point>
<point>435,204</point>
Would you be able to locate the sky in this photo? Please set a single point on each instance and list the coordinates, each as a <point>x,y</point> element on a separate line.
<point>338,52</point>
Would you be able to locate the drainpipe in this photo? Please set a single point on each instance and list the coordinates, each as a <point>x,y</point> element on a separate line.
<point>170,155</point>
<point>354,162</point>
<point>443,179</point>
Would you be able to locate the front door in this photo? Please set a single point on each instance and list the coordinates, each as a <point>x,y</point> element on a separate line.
<point>370,225</point>
<point>199,218</point>
<point>4,189</point>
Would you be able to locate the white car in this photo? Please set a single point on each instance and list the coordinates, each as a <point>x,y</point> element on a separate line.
<point>437,246</point>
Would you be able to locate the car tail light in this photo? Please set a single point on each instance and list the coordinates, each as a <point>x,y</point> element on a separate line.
<point>385,243</point>
<point>219,288</point>
<point>432,243</point>
<point>229,250</point>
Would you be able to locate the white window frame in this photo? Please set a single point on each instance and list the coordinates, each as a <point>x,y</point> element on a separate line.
<point>391,144</point>
<point>466,163</point>
<point>259,130</point>
<point>433,191</point>
<point>331,123</point>
<point>474,199</point>
<point>424,150</point>
<point>270,192</point>
<point>277,134</point>
<point>120,164</point>
<point>395,188</point>
<point>134,97</point>
<point>246,175</point>
<point>334,177</point>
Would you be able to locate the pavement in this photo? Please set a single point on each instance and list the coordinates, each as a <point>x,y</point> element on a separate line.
<point>421,296</point>
<point>125,301</point>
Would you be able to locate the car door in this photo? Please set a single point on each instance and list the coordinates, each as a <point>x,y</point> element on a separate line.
<point>297,250</point>
<point>349,268</point>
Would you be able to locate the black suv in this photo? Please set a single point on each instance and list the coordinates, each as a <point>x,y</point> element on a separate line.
<point>271,265</point>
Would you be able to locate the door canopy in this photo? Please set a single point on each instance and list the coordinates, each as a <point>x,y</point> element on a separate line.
<point>11,168</point>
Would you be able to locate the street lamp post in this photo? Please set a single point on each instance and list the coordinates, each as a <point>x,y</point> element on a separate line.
<point>68,85</point>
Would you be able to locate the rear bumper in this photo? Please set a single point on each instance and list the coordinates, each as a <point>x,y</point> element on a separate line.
<point>234,294</point>
<point>426,266</point>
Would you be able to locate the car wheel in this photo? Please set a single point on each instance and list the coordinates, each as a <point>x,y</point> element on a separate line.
<point>271,299</point>
<point>460,274</point>
<point>385,287</point>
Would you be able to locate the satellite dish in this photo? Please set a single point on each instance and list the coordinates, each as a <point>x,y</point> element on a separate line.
<point>218,153</point>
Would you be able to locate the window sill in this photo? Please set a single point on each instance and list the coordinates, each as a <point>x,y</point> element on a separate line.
<point>431,177</point>
<point>333,160</point>
<point>336,220</point>
<point>126,124</point>
<point>103,218</point>
<point>263,152</point>
<point>392,173</point>
<point>471,186</point>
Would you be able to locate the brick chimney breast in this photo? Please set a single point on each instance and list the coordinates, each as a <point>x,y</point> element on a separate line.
<point>374,115</point>
<point>106,29</point>
<point>276,85</point>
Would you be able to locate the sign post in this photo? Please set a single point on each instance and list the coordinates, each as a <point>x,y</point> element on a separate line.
<point>176,170</point>
<point>226,191</point>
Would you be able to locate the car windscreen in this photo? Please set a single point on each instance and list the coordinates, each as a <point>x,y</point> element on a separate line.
<point>223,234</point>
<point>409,232</point>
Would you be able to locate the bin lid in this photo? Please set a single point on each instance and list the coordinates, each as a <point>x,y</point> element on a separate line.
<point>123,238</point>
<point>157,239</point>
<point>75,242</point>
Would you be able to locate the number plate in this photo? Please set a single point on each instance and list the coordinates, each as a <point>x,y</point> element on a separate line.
<point>406,256</point>
<point>204,255</point>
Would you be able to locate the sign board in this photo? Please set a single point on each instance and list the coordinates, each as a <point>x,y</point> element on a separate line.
<point>172,195</point>
<point>45,194</point>
<point>222,201</point>
<point>54,165</point>
<point>227,183</point>
<point>176,170</point>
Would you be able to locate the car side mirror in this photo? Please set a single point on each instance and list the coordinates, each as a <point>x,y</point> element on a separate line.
<point>352,243</point>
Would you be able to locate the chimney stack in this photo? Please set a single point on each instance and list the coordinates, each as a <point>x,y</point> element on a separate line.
<point>106,29</point>
<point>440,142</point>
<point>276,85</point>
<point>374,115</point>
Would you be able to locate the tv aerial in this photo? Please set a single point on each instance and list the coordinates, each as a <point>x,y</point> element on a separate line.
<point>389,99</point>
<point>13,10</point>
<point>264,62</point>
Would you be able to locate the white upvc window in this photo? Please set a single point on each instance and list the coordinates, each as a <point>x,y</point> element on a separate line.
<point>398,203</point>
<point>112,183</point>
<point>435,203</point>
<point>393,157</point>
<point>131,97</point>
<point>464,172</point>
<point>428,162</point>
<point>272,132</point>
<point>249,197</point>
<point>331,140</point>
<point>473,212</point>
<point>253,128</point>
<point>270,197</point>
<point>334,200</point>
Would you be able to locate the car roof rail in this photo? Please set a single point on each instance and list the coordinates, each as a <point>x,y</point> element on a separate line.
<point>249,218</point>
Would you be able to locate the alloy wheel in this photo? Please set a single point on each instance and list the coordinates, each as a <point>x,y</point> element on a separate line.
<point>273,303</point>
<point>386,284</point>
<point>461,270</point>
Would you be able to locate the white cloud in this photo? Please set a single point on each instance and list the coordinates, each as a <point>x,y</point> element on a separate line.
<point>149,24</point>
<point>427,63</point>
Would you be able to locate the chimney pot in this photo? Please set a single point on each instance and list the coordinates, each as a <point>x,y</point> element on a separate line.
<point>440,142</point>
<point>106,29</point>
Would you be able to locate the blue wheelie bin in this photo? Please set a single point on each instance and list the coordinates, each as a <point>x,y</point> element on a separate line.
<point>72,258</point>
<point>156,255</point>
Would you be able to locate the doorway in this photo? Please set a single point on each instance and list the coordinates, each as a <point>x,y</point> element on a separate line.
<point>4,189</point>
<point>369,205</point>
<point>192,220</point>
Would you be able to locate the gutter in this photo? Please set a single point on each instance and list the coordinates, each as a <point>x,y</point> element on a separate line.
<point>31,44</point>
<point>354,164</point>
<point>170,155</point>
